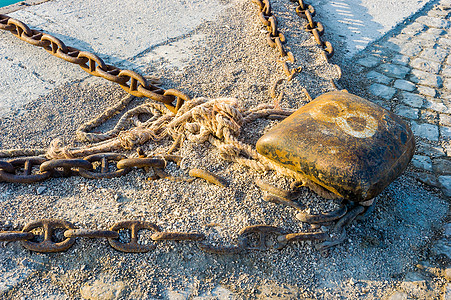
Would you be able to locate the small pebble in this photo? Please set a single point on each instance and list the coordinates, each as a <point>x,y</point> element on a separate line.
<point>41,190</point>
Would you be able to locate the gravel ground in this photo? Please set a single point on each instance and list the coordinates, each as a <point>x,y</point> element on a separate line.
<point>233,60</point>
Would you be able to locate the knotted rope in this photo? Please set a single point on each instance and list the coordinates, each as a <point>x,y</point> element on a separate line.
<point>218,121</point>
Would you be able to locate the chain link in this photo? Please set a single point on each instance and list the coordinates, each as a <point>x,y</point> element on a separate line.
<point>48,244</point>
<point>27,175</point>
<point>132,246</point>
<point>64,167</point>
<point>14,236</point>
<point>89,233</point>
<point>104,172</point>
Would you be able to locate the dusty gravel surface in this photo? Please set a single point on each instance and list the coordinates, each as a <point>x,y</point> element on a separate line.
<point>233,61</point>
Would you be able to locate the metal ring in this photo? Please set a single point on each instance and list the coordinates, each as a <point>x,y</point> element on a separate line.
<point>177,236</point>
<point>34,39</point>
<point>141,163</point>
<point>181,98</point>
<point>135,227</point>
<point>104,173</point>
<point>92,60</point>
<point>65,163</point>
<point>20,27</point>
<point>53,42</point>
<point>47,245</point>
<point>27,163</point>
<point>71,55</point>
<point>111,73</point>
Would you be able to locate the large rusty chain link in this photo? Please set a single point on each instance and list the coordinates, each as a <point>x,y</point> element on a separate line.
<point>130,81</point>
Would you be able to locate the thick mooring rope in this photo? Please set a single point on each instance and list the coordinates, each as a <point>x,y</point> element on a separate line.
<point>217,121</point>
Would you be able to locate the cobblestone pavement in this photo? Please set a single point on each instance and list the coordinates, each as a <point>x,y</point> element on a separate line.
<point>409,72</point>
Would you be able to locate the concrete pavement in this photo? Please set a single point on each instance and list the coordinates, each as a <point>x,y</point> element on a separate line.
<point>127,35</point>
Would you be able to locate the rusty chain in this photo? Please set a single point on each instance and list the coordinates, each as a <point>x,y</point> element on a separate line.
<point>276,39</point>
<point>109,165</point>
<point>132,82</point>
<point>307,12</point>
<point>37,168</point>
<point>40,236</point>
<point>256,237</point>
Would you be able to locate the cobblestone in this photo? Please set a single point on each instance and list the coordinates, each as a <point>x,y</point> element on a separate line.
<point>426,65</point>
<point>428,40</point>
<point>446,71</point>
<point>435,31</point>
<point>447,84</point>
<point>436,105</point>
<point>414,28</point>
<point>395,43</point>
<point>382,91</point>
<point>447,148</point>
<point>445,132</point>
<point>444,42</point>
<point>409,49</point>
<point>422,162</point>
<point>445,120</point>
<point>430,150</point>
<point>445,182</point>
<point>427,178</point>
<point>438,13</point>
<point>400,59</point>
<point>442,166</point>
<point>427,131</point>
<point>425,78</point>
<point>394,70</point>
<point>404,85</point>
<point>369,62</point>
<point>427,91</point>
<point>434,22</point>
<point>437,55</point>
<point>378,77</point>
<point>412,99</point>
<point>407,112</point>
